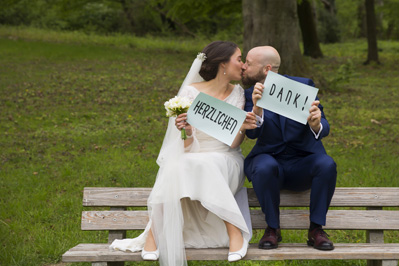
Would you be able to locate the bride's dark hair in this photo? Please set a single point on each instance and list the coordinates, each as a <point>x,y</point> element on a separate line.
<point>216,53</point>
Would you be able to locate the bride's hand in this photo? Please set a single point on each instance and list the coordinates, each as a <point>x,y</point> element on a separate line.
<point>181,123</point>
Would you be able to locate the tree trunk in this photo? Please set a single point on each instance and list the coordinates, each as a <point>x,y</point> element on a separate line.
<point>274,23</point>
<point>372,54</point>
<point>308,28</point>
<point>329,31</point>
<point>127,14</point>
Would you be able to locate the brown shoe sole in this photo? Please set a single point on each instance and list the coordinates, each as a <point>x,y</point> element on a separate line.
<point>326,248</point>
<point>271,247</point>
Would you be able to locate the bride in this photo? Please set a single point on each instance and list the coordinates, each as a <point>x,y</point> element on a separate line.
<point>198,199</point>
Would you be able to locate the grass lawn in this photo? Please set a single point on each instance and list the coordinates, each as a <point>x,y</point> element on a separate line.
<point>80,110</point>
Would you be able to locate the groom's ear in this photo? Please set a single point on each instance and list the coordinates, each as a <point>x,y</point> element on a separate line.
<point>267,68</point>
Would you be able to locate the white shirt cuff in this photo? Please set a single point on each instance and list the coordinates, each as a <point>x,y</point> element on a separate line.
<point>318,134</point>
<point>259,119</point>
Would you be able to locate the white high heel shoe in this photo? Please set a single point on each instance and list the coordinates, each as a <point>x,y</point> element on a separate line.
<point>237,255</point>
<point>150,255</point>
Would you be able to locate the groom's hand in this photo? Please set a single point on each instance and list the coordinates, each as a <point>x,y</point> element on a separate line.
<point>314,117</point>
<point>256,95</point>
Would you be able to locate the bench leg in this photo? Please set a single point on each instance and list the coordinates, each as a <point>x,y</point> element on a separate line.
<point>382,263</point>
<point>377,236</point>
<point>98,264</point>
<point>389,263</point>
<point>116,234</point>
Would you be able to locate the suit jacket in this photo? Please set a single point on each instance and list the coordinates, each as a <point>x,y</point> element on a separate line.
<point>280,134</point>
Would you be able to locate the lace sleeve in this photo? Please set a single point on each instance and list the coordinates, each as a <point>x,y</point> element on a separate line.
<point>238,97</point>
<point>188,92</point>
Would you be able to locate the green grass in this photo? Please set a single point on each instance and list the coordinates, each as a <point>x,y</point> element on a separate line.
<point>79,110</point>
<point>176,44</point>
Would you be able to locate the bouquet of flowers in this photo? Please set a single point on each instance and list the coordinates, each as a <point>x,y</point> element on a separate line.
<point>176,106</point>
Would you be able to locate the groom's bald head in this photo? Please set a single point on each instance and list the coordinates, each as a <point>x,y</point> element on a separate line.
<point>266,55</point>
<point>259,61</point>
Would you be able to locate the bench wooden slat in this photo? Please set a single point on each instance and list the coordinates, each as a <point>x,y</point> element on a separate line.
<point>286,251</point>
<point>289,219</point>
<point>343,197</point>
<point>115,196</point>
<point>114,220</point>
<point>336,219</point>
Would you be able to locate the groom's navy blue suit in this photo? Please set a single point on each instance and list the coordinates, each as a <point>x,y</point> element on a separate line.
<point>287,155</point>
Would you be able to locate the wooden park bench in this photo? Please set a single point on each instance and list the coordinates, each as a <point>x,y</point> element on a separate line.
<point>352,208</point>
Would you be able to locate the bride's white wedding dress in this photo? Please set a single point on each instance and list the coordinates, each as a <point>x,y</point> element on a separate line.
<point>196,189</point>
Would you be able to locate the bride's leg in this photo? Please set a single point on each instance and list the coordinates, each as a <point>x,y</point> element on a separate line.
<point>235,235</point>
<point>150,244</point>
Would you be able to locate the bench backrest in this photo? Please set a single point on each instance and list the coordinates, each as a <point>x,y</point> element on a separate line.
<point>351,208</point>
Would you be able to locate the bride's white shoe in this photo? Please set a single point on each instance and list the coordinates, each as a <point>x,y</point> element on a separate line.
<point>237,255</point>
<point>150,255</point>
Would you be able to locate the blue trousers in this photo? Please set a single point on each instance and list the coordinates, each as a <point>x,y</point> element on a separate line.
<point>270,174</point>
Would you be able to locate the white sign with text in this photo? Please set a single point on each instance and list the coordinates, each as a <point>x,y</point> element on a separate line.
<point>215,117</point>
<point>287,97</point>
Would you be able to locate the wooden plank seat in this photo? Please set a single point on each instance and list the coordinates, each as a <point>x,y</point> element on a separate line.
<point>369,215</point>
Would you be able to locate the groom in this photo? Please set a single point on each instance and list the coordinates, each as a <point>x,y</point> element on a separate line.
<point>287,154</point>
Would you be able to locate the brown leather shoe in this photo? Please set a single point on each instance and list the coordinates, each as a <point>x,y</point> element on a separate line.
<point>270,238</point>
<point>319,239</point>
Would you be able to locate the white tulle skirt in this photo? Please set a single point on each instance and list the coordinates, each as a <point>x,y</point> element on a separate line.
<point>194,193</point>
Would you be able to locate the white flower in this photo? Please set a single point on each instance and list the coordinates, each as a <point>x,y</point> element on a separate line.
<point>177,105</point>
<point>201,56</point>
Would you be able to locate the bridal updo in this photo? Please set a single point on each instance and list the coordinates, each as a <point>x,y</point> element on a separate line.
<point>216,53</point>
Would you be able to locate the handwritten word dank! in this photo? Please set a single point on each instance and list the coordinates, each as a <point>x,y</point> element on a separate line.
<point>223,120</point>
<point>288,96</point>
